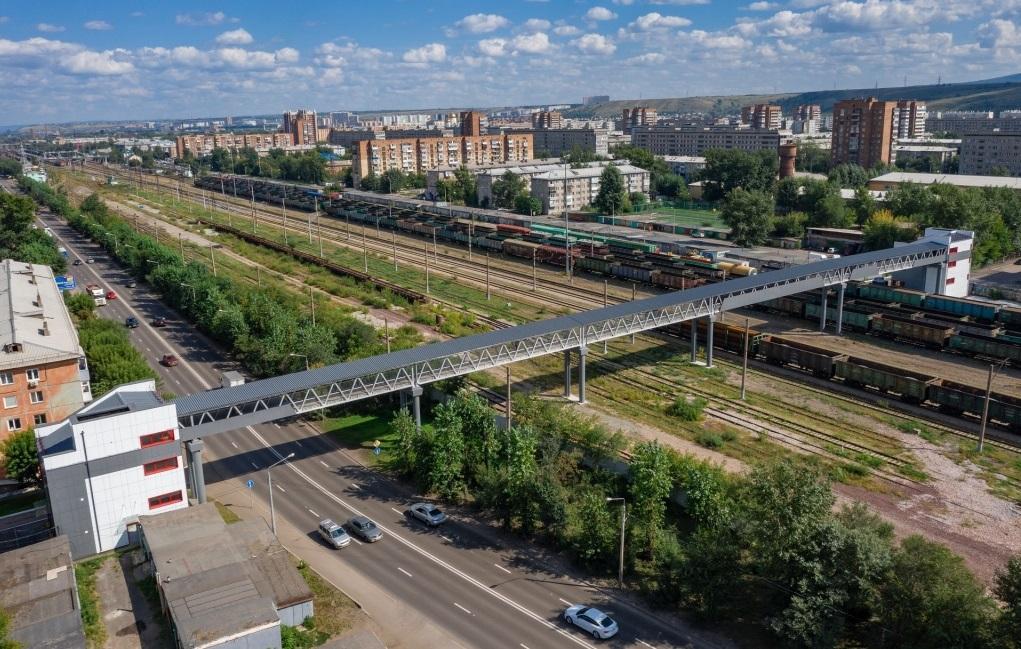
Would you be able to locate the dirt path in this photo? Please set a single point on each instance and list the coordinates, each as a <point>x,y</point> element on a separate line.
<point>130,622</point>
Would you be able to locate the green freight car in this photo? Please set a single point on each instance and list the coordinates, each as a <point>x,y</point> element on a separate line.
<point>858,372</point>
<point>988,346</point>
<point>957,399</point>
<point>856,320</point>
<point>884,293</point>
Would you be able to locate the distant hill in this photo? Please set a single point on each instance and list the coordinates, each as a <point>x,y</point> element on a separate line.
<point>992,94</point>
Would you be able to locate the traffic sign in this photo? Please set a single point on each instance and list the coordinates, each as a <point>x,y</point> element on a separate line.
<point>250,484</point>
<point>377,451</point>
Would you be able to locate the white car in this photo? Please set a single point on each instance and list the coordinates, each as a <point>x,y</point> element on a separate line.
<point>334,534</point>
<point>600,625</point>
<point>428,513</point>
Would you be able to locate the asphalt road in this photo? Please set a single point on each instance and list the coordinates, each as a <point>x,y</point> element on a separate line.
<point>486,589</point>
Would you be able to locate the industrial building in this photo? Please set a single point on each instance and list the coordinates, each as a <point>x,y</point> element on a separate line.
<point>894,179</point>
<point>696,140</point>
<point>43,373</point>
<point>572,189</point>
<point>419,155</point>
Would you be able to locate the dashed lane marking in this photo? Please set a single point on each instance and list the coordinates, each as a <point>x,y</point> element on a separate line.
<point>447,539</point>
<point>564,601</point>
<point>643,642</point>
<point>502,568</point>
<point>254,465</point>
<point>234,444</point>
<point>404,571</point>
<point>324,464</point>
<point>312,511</point>
<point>396,511</point>
<point>281,489</point>
<point>462,608</point>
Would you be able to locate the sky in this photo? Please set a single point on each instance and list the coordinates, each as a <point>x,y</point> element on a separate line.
<point>63,60</point>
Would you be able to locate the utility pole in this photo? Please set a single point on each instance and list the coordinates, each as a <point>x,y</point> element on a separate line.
<point>427,269</point>
<point>744,361</point>
<point>386,334</point>
<point>310,220</point>
<point>312,304</point>
<point>535,279</point>
<point>623,523</point>
<point>489,295</point>
<point>254,218</point>
<point>156,232</point>
<point>283,214</point>
<point>394,232</point>
<point>365,250</point>
<point>258,275</point>
<point>319,227</point>
<point>985,409</point>
<point>212,257</point>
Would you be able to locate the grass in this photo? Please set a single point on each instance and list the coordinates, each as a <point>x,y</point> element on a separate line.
<point>20,503</point>
<point>226,513</point>
<point>334,611</point>
<point>92,620</point>
<point>363,428</point>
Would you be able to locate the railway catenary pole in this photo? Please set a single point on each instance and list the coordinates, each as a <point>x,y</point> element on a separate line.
<point>319,227</point>
<point>535,279</point>
<point>255,226</point>
<point>316,200</point>
<point>283,215</point>
<point>312,304</point>
<point>426,268</point>
<point>985,407</point>
<point>365,250</point>
<point>394,231</point>
<point>605,304</point>
<point>508,398</point>
<point>634,294</point>
<point>212,258</point>
<point>386,333</point>
<point>156,232</point>
<point>489,294</point>
<point>744,360</point>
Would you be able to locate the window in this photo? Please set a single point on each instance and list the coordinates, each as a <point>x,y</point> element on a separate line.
<point>159,466</point>
<point>36,396</point>
<point>161,437</point>
<point>39,419</point>
<point>165,499</point>
<point>32,374</point>
<point>950,281</point>
<point>10,402</point>
<point>6,378</point>
<point>951,264</point>
<point>14,423</point>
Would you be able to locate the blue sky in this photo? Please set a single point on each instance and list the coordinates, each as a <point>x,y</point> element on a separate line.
<point>64,61</point>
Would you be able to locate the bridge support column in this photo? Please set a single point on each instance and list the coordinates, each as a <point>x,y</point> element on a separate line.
<point>567,373</point>
<point>198,478</point>
<point>822,316</point>
<point>840,308</point>
<point>694,340</point>
<point>582,352</point>
<point>709,342</point>
<point>416,395</point>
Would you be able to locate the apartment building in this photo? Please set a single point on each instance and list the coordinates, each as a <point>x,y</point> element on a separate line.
<point>968,122</point>
<point>863,132</point>
<point>547,119</point>
<point>983,153</point>
<point>419,155</point>
<point>471,123</point>
<point>301,124</point>
<point>43,374</point>
<point>909,119</point>
<point>639,116</point>
<point>695,141</point>
<point>571,189</point>
<point>558,141</point>
<point>762,116</point>
<point>806,112</point>
<point>203,144</point>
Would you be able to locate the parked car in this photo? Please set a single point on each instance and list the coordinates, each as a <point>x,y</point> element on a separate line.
<point>600,625</point>
<point>131,283</point>
<point>90,260</point>
<point>77,262</point>
<point>428,513</point>
<point>169,360</point>
<point>334,534</point>
<point>365,529</point>
<point>131,322</point>
<point>110,295</point>
<point>159,322</point>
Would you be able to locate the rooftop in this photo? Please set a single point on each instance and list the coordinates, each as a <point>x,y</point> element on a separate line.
<point>35,326</point>
<point>130,397</point>
<point>588,172</point>
<point>220,579</point>
<point>960,180</point>
<point>37,589</point>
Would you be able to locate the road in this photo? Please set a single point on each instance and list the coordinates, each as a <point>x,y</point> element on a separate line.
<point>479,586</point>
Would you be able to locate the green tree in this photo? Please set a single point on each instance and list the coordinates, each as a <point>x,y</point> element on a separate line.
<point>478,426</point>
<point>525,204</point>
<point>507,188</point>
<point>929,598</point>
<point>650,487</point>
<point>788,194</point>
<point>613,195</point>
<point>5,629</point>
<point>80,305</point>
<point>849,175</point>
<point>1007,588</point>
<point>881,230</point>
<point>812,158</point>
<point>728,169</point>
<point>830,211</point>
<point>403,427</point>
<point>712,572</point>
<point>19,457</point>
<point>522,472</point>
<point>595,529</point>
<point>749,215</point>
<point>791,224</point>
<point>670,185</point>
<point>444,472</point>
<point>467,186</point>
<point>863,205</point>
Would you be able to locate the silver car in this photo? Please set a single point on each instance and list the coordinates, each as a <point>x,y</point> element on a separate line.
<point>334,534</point>
<point>600,625</point>
<point>365,529</point>
<point>428,513</point>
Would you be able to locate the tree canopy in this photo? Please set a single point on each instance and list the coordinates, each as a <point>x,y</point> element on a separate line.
<point>728,169</point>
<point>613,195</point>
<point>749,215</point>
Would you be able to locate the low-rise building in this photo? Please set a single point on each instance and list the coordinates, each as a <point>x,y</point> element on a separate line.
<point>938,153</point>
<point>894,179</point>
<point>223,585</point>
<point>559,141</point>
<point>43,373</point>
<point>39,593</point>
<point>988,152</point>
<point>695,141</point>
<point>685,165</point>
<point>573,189</point>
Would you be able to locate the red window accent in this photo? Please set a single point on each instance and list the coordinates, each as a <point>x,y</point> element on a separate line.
<point>165,499</point>
<point>159,466</point>
<point>161,437</point>
<point>950,280</point>
<point>953,250</point>
<point>951,264</point>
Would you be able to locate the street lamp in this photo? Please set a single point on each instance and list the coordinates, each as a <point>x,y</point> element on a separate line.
<point>305,356</point>
<point>623,521</point>
<point>269,474</point>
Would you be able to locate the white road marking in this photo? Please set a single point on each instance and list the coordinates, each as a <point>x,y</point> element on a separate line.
<point>355,485</point>
<point>540,619</point>
<point>324,464</point>
<point>396,511</point>
<point>640,641</point>
<point>523,645</point>
<point>502,568</point>
<point>312,511</point>
<point>404,571</point>
<point>564,601</point>
<point>276,424</point>
<point>254,465</point>
<point>234,444</point>
<point>357,541</point>
<point>448,540</point>
<point>462,608</point>
<point>281,489</point>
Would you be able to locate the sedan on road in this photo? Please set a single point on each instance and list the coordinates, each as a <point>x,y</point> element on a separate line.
<point>90,260</point>
<point>364,529</point>
<point>110,295</point>
<point>77,262</point>
<point>169,360</point>
<point>159,322</point>
<point>131,322</point>
<point>600,625</point>
<point>428,513</point>
<point>131,283</point>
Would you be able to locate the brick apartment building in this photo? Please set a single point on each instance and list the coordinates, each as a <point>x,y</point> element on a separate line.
<point>909,119</point>
<point>301,124</point>
<point>546,119</point>
<point>984,153</point>
<point>203,145</point>
<point>762,116</point>
<point>43,375</point>
<point>471,123</point>
<point>632,118</point>
<point>806,112</point>
<point>419,155</point>
<point>863,132</point>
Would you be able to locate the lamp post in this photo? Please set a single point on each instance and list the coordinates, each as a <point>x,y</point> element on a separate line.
<point>305,356</point>
<point>623,521</point>
<point>269,475</point>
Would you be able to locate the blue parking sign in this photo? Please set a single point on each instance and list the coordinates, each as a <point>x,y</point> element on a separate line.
<point>250,484</point>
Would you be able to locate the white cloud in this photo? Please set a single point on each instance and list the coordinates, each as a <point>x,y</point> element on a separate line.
<point>493,46</point>
<point>98,25</point>
<point>536,25</point>
<point>431,53</point>
<point>881,14</point>
<point>762,5</point>
<point>137,14</point>
<point>48,28</point>
<point>600,13</point>
<point>287,55</point>
<point>566,30</point>
<point>200,19</point>
<point>679,3</point>
<point>238,36</point>
<point>654,20</point>
<point>482,23</point>
<point>595,44</point>
<point>100,63</point>
<point>714,40</point>
<point>626,3</point>
<point>999,33</point>
<point>537,43</point>
<point>237,57</point>
<point>649,58</point>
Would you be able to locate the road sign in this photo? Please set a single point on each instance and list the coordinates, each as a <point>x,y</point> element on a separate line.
<point>250,484</point>
<point>377,451</point>
<point>65,282</point>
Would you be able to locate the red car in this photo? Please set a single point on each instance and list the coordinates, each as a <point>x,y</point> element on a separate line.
<point>169,360</point>
<point>110,295</point>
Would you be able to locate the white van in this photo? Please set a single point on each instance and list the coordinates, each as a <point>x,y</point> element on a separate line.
<point>100,301</point>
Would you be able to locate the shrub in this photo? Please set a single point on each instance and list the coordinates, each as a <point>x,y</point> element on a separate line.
<point>687,410</point>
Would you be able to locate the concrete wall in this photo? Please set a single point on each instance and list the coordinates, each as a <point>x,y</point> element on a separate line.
<point>268,638</point>
<point>295,615</point>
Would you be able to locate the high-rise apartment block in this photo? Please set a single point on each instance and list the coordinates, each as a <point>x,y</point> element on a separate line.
<point>547,119</point>
<point>985,153</point>
<point>863,132</point>
<point>909,119</point>
<point>419,155</point>
<point>558,141</point>
<point>471,123</point>
<point>806,112</point>
<point>301,125</point>
<point>762,116</point>
<point>637,117</point>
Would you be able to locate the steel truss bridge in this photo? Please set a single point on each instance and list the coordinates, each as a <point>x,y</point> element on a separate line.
<point>265,400</point>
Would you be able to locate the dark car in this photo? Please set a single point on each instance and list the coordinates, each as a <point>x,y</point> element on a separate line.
<point>131,322</point>
<point>159,322</point>
<point>77,262</point>
<point>169,360</point>
<point>364,529</point>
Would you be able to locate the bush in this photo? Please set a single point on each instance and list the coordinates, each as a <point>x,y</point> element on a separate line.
<point>710,440</point>
<point>687,410</point>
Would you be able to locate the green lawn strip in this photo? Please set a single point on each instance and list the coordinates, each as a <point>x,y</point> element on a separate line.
<point>92,619</point>
<point>335,612</point>
<point>226,513</point>
<point>363,427</point>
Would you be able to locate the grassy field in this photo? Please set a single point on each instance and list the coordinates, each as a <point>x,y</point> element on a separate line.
<point>682,216</point>
<point>363,428</point>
